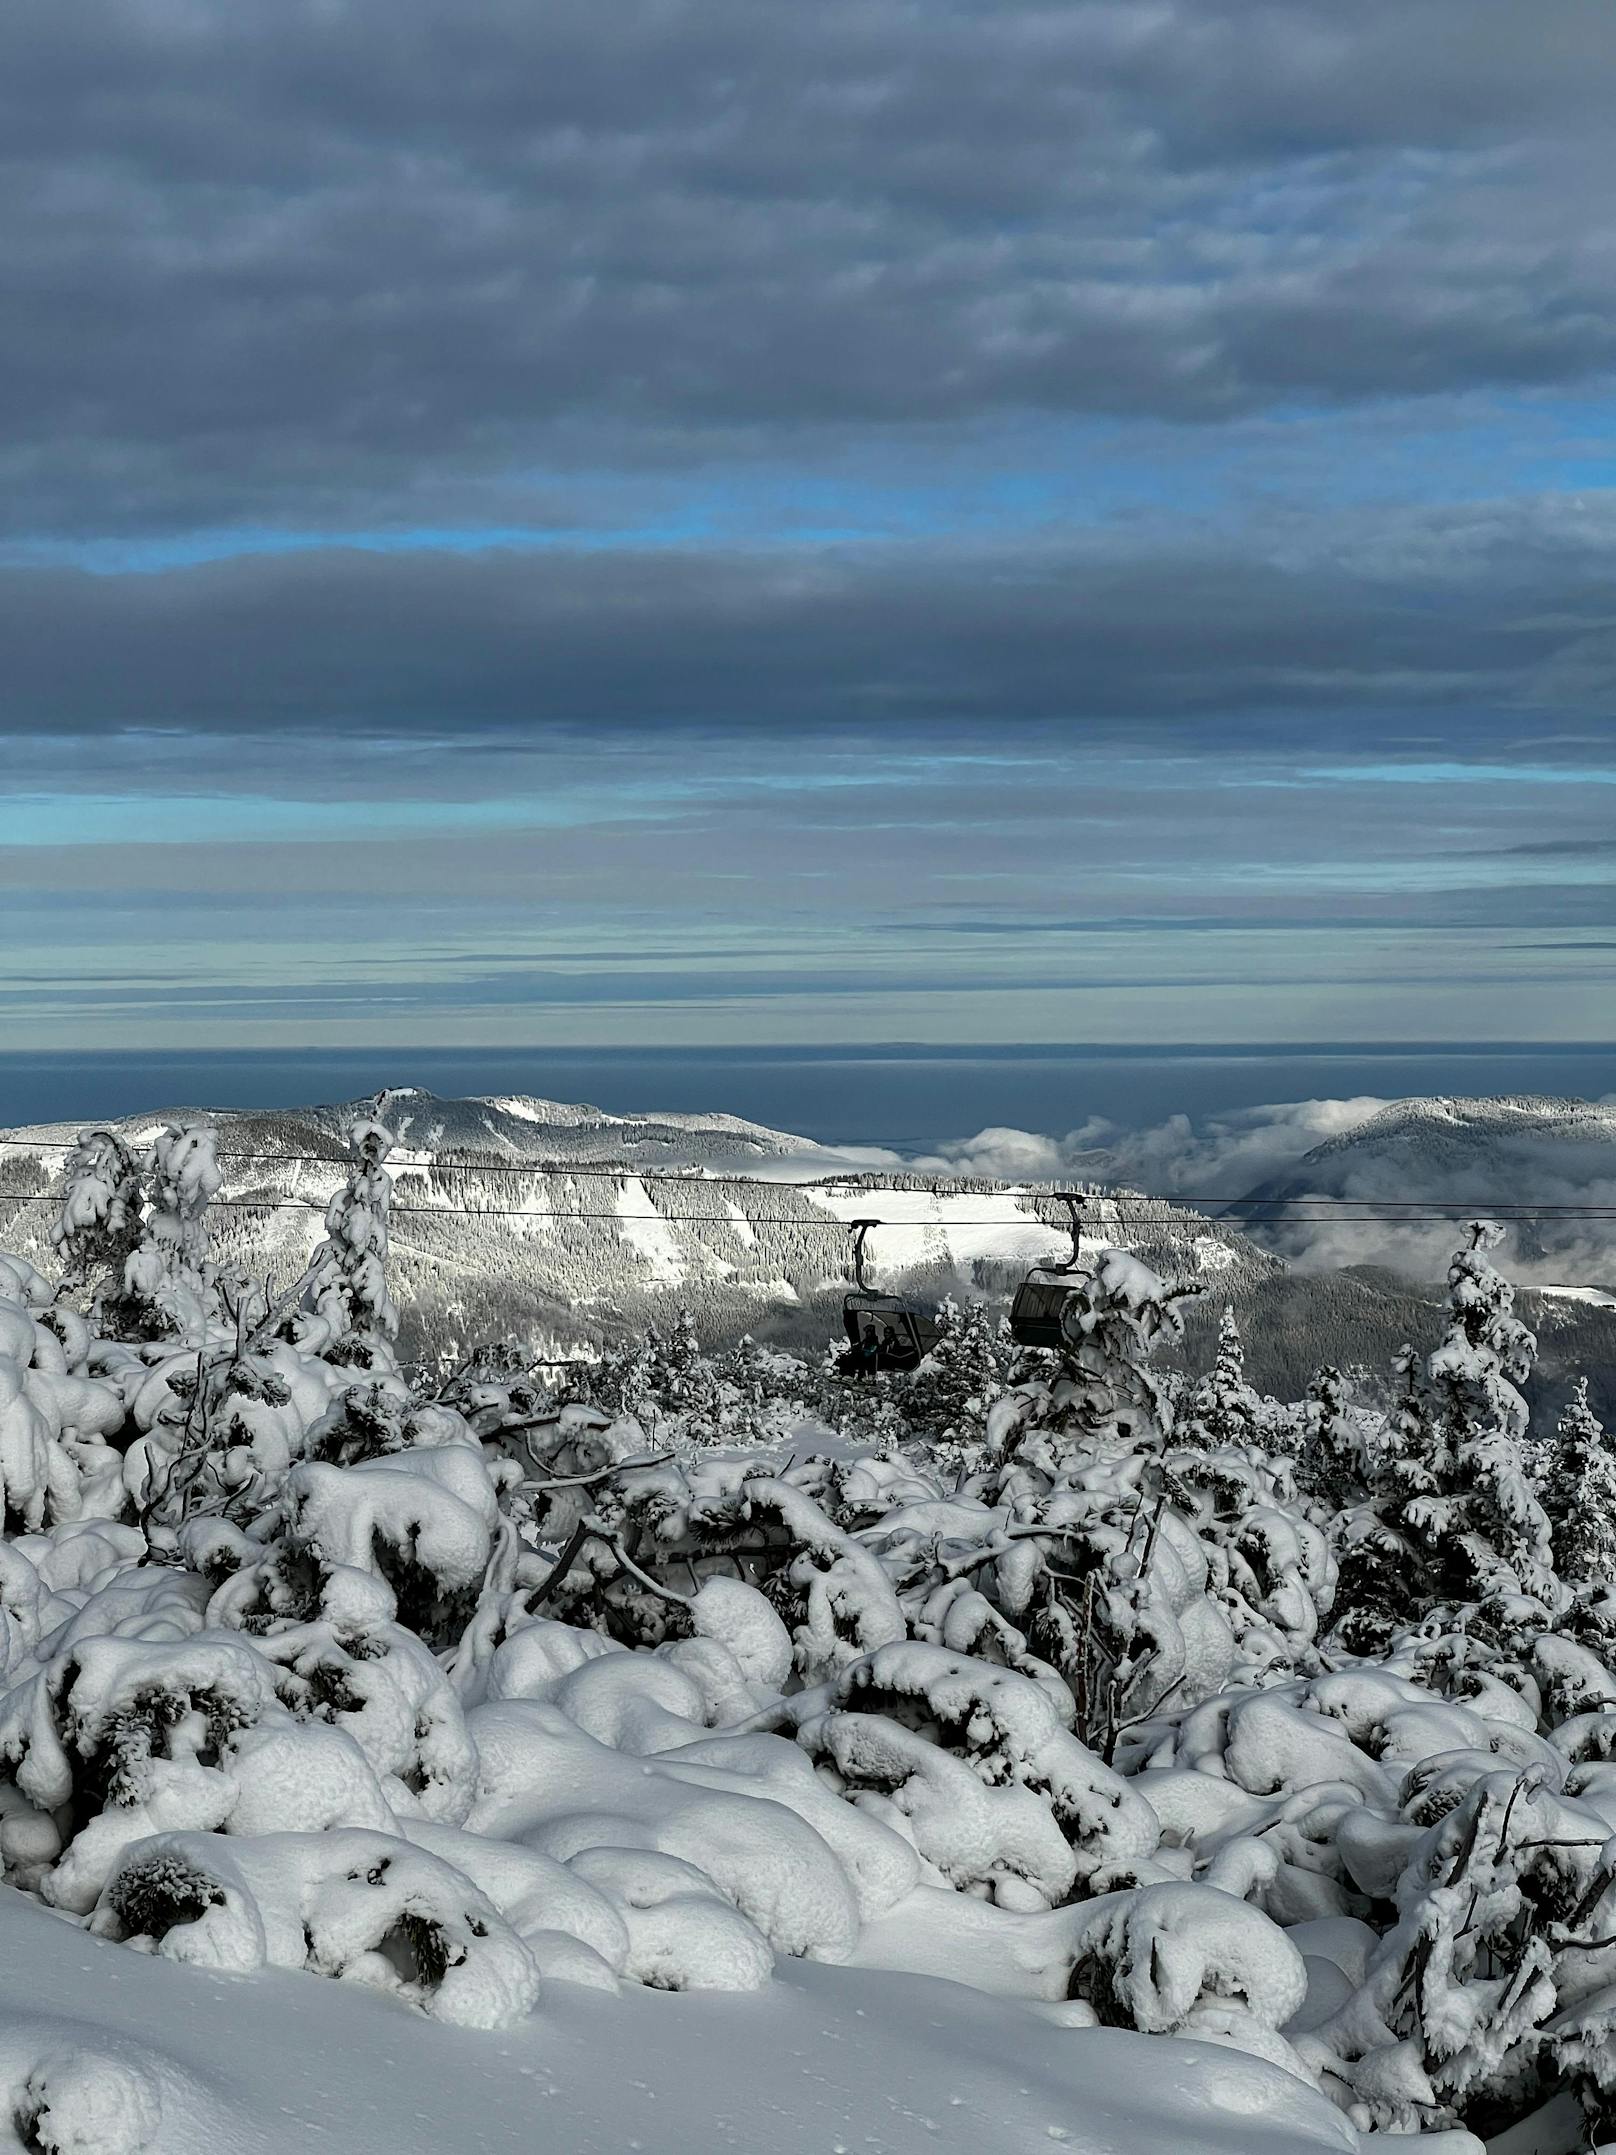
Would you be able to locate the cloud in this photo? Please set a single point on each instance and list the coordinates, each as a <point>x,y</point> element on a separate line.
<point>1387,612</point>
<point>394,391</point>
<point>1566,848</point>
<point>372,257</point>
<point>1479,1161</point>
<point>1560,1172</point>
<point>1199,1160</point>
<point>1219,1156</point>
<point>1571,1254</point>
<point>1007,1155</point>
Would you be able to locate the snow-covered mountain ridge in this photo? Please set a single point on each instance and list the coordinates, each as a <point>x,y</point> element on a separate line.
<point>1554,1158</point>
<point>745,1225</point>
<point>512,1126</point>
<point>1455,1133</point>
<point>1450,1149</point>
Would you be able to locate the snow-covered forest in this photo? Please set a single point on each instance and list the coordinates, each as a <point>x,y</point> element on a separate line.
<point>575,1230</point>
<point>1151,1706</point>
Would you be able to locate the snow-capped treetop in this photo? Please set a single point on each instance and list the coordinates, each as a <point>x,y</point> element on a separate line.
<point>346,1290</point>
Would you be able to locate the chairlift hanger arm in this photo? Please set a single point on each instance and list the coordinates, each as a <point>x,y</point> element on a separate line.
<point>860,1228</point>
<point>1074,1204</point>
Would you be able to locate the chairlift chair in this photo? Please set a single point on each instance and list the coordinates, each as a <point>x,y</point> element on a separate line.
<point>1041,1300</point>
<point>884,1332</point>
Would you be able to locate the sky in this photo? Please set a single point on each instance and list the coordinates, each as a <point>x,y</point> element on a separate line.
<point>701,523</point>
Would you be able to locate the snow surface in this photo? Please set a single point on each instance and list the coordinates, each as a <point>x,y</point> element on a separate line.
<point>560,1114</point>
<point>743,1227</point>
<point>1596,1295</point>
<point>823,2061</point>
<point>552,1112</point>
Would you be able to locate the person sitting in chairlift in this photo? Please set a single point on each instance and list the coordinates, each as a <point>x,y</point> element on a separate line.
<point>864,1357</point>
<point>897,1351</point>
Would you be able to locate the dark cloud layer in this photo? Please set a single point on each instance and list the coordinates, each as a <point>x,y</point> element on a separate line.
<point>1394,616</point>
<point>340,260</point>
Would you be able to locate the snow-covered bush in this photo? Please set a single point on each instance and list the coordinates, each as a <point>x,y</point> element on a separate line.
<point>136,1223</point>
<point>367,1907</point>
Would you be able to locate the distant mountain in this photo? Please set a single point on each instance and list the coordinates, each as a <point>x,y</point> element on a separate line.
<point>747,1227</point>
<point>644,1214</point>
<point>1464,1147</point>
<point>512,1126</point>
<point>1470,1155</point>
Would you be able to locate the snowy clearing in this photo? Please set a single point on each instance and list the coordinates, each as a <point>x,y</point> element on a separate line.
<point>650,1235</point>
<point>743,1227</point>
<point>956,1234</point>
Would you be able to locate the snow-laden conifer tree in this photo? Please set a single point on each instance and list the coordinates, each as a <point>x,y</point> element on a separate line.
<point>1496,1538</point>
<point>1332,1462</point>
<point>141,1220</point>
<point>185,1179</point>
<point>348,1312</point>
<point>1455,1522</point>
<point>681,1378</point>
<point>1579,1495</point>
<point>1114,1318</point>
<point>669,1377</point>
<point>949,1396</point>
<point>764,1382</point>
<point>1223,1408</point>
<point>623,1383</point>
<point>1386,1579</point>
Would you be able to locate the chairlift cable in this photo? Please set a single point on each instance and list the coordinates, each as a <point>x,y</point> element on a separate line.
<point>830,1222</point>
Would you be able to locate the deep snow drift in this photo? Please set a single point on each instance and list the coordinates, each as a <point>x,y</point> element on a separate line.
<point>821,2059</point>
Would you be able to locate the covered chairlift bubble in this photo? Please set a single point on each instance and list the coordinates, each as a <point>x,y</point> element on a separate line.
<point>1041,1300</point>
<point>884,1332</point>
